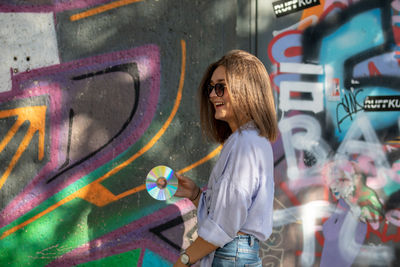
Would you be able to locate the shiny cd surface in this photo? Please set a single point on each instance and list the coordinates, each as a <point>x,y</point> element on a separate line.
<point>161,182</point>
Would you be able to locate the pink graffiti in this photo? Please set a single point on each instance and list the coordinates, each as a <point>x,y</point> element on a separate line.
<point>131,236</point>
<point>26,85</point>
<point>56,6</point>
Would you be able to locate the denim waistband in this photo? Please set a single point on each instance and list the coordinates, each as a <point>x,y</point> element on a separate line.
<point>243,250</point>
<point>250,238</point>
<point>245,237</point>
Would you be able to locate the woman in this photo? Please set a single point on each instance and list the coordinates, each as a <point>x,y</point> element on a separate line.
<point>235,212</point>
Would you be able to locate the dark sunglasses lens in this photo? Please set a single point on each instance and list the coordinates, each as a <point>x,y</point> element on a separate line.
<point>219,89</point>
<point>209,89</point>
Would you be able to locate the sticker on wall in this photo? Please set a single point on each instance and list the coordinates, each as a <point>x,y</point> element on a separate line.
<point>285,7</point>
<point>382,103</point>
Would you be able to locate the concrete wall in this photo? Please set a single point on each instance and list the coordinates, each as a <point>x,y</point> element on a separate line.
<point>96,93</point>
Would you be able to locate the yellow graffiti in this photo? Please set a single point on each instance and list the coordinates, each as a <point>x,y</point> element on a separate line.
<point>101,9</point>
<point>36,115</point>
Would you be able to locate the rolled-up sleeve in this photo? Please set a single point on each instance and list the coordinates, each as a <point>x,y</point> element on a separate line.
<point>229,213</point>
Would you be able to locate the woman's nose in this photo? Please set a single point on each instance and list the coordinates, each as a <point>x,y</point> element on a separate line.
<point>212,93</point>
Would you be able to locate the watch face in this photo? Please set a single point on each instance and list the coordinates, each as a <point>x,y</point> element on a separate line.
<point>185,259</point>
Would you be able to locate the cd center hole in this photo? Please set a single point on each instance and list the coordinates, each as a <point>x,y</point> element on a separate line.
<point>161,182</point>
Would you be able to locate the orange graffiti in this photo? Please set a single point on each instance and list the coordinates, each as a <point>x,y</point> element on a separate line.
<point>101,9</point>
<point>203,160</point>
<point>36,115</point>
<point>309,12</point>
<point>395,140</point>
<point>95,192</point>
<point>99,195</point>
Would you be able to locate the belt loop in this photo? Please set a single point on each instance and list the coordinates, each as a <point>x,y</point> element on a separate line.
<point>251,241</point>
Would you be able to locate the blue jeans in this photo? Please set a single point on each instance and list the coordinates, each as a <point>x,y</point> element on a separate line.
<point>241,251</point>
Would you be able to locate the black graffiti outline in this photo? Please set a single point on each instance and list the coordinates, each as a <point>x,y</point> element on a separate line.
<point>350,105</point>
<point>130,68</point>
<point>313,36</point>
<point>71,119</point>
<point>172,223</point>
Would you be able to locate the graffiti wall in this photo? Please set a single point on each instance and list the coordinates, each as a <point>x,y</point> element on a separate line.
<point>95,93</point>
<point>335,70</point>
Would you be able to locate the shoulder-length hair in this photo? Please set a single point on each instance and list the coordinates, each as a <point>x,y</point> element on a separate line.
<point>251,96</point>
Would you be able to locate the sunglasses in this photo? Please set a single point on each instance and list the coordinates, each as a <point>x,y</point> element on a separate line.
<point>219,89</point>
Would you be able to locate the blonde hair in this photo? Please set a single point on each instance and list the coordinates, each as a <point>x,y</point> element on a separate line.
<point>251,96</point>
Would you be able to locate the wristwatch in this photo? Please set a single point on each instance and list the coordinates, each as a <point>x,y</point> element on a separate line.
<point>185,258</point>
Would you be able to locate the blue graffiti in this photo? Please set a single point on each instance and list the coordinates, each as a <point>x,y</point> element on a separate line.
<point>346,41</point>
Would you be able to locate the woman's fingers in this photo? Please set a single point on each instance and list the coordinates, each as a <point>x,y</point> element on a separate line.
<point>182,188</point>
<point>183,179</point>
<point>180,177</point>
<point>186,186</point>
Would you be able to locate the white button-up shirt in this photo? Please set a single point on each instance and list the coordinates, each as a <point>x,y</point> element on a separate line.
<point>240,191</point>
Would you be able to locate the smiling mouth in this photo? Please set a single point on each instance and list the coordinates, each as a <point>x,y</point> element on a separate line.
<point>219,104</point>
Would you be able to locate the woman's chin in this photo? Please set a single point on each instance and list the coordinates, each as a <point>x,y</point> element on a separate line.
<point>220,119</point>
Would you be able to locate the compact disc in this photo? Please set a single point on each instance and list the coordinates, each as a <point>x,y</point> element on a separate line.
<point>161,182</point>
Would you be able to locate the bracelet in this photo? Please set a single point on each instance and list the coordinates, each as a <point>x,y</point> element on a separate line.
<point>198,193</point>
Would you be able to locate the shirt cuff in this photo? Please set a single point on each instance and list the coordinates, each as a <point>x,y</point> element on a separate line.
<point>212,233</point>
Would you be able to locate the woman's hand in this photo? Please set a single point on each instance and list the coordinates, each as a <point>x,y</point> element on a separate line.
<point>186,187</point>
